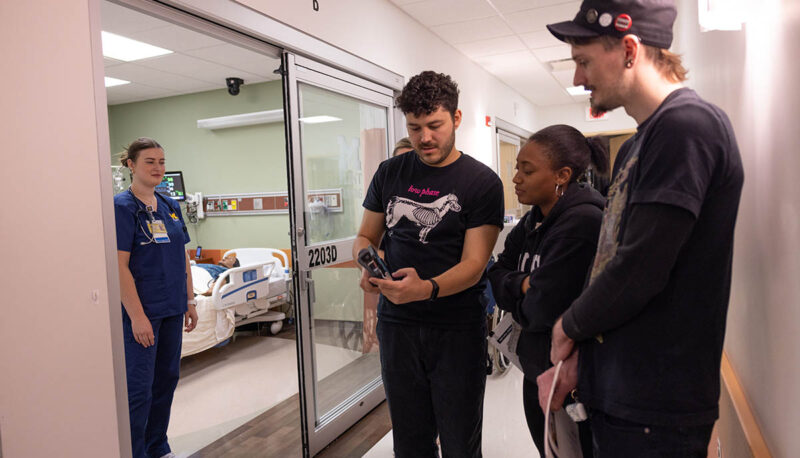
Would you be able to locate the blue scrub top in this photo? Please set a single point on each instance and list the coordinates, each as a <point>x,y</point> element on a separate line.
<point>159,269</point>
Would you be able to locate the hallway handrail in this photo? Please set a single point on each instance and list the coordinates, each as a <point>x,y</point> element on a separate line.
<point>746,417</point>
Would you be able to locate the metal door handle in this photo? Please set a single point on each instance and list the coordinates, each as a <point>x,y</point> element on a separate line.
<point>312,293</point>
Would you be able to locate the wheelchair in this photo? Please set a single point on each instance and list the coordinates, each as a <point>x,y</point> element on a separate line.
<point>496,362</point>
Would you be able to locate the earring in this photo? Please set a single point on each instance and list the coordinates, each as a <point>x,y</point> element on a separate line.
<point>559,190</point>
<point>628,63</point>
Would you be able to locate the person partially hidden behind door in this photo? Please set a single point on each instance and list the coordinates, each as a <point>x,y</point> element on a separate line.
<point>441,212</point>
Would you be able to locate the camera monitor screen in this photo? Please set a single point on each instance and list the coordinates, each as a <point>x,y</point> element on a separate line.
<point>172,186</point>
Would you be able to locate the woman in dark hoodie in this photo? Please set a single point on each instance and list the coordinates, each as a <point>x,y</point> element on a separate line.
<point>548,254</point>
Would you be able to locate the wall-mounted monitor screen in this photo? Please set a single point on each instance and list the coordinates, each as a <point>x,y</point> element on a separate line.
<point>172,186</point>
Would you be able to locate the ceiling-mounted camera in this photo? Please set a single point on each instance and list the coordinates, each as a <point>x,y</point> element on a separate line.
<point>233,85</point>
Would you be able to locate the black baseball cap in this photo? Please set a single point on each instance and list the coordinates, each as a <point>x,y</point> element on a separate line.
<point>650,20</point>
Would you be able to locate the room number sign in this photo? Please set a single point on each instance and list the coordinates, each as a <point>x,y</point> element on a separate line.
<point>321,256</point>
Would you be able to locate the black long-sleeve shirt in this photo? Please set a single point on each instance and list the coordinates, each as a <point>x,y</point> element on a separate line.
<point>651,323</point>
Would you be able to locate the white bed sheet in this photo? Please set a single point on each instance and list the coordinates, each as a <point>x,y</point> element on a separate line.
<point>213,327</point>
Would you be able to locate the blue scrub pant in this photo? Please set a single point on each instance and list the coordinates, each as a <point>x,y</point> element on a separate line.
<point>152,377</point>
<point>434,381</point>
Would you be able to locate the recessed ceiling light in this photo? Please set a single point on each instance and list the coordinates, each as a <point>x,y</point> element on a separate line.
<point>578,90</point>
<point>319,119</point>
<point>126,49</point>
<point>111,82</point>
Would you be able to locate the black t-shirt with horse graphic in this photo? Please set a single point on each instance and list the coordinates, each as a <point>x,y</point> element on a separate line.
<point>427,213</point>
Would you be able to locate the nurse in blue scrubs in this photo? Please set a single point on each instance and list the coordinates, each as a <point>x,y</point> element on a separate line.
<point>157,297</point>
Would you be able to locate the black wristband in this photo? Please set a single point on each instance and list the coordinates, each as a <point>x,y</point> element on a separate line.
<point>435,291</point>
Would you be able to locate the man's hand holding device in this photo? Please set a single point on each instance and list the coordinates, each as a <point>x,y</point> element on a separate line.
<point>371,266</point>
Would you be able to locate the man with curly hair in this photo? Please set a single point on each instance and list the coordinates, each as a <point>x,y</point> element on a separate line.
<point>439,212</point>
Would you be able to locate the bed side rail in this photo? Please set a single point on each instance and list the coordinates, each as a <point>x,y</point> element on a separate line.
<point>246,283</point>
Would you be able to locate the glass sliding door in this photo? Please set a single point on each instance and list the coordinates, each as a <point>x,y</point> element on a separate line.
<point>341,130</point>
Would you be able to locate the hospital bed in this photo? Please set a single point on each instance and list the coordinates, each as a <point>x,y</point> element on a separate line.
<point>252,290</point>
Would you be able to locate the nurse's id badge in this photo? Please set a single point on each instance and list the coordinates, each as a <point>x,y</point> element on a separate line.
<point>158,230</point>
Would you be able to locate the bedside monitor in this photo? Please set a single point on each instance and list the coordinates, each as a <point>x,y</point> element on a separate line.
<point>172,186</point>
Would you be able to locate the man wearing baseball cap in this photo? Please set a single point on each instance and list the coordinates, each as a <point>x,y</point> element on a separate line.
<point>650,325</point>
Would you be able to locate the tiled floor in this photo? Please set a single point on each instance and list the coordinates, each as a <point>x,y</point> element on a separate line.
<point>505,432</point>
<point>223,388</point>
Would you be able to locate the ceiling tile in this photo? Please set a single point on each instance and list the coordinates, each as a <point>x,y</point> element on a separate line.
<point>109,62</point>
<point>512,6</point>
<point>491,46</point>
<point>157,78</point>
<point>559,52</point>
<point>175,38</point>
<point>536,19</point>
<point>541,93</point>
<point>437,12</point>
<point>465,32</point>
<point>134,92</point>
<point>526,75</point>
<point>192,67</point>
<point>124,21</point>
<point>540,39</point>
<point>521,62</point>
<point>239,59</point>
<point>178,73</point>
<point>564,77</point>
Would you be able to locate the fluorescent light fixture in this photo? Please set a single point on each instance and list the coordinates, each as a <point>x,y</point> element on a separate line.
<point>243,119</point>
<point>319,119</point>
<point>111,82</point>
<point>578,90</point>
<point>126,49</point>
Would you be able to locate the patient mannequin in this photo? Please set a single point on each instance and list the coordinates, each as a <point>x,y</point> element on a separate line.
<point>228,262</point>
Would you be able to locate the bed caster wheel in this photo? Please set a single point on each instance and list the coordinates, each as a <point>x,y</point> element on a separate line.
<point>275,327</point>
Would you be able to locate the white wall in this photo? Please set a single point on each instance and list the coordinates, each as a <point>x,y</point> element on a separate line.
<point>57,395</point>
<point>752,75</point>
<point>381,33</point>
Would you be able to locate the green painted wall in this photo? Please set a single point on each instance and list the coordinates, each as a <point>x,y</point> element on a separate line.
<point>234,160</point>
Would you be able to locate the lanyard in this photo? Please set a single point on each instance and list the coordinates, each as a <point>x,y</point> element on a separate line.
<point>149,210</point>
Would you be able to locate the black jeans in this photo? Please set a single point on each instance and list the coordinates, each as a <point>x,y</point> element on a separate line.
<point>618,438</point>
<point>434,381</point>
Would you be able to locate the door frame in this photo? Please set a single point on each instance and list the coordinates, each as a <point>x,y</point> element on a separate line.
<point>298,69</point>
<point>235,23</point>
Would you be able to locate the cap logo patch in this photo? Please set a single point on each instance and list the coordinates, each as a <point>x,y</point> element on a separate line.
<point>591,16</point>
<point>605,19</point>
<point>623,23</point>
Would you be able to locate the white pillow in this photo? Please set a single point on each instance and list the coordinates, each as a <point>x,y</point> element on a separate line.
<point>200,280</point>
